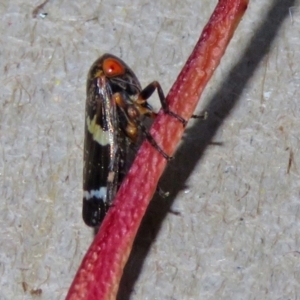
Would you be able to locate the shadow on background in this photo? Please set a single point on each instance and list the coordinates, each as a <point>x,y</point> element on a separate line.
<point>219,107</point>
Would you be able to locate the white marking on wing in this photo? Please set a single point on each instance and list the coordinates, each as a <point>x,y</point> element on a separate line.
<point>99,135</point>
<point>99,194</point>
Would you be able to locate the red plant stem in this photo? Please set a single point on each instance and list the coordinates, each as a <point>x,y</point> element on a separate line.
<point>101,269</point>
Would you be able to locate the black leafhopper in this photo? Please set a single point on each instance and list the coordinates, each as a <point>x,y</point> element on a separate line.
<point>115,107</point>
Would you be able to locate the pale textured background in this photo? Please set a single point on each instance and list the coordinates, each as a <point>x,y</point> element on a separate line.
<point>237,234</point>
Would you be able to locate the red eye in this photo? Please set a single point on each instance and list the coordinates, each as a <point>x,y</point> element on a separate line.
<point>113,67</point>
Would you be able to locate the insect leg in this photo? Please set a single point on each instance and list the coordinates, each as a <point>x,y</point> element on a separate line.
<point>152,141</point>
<point>203,115</point>
<point>132,113</point>
<point>149,90</point>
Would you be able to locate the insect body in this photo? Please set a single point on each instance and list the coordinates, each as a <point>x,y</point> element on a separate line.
<point>115,106</point>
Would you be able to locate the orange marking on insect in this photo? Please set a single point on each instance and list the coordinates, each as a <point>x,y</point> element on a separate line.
<point>119,100</point>
<point>132,132</point>
<point>112,67</point>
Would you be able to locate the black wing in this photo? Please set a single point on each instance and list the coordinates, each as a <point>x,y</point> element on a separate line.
<point>103,153</point>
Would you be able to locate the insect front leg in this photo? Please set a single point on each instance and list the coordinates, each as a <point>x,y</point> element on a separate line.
<point>149,90</point>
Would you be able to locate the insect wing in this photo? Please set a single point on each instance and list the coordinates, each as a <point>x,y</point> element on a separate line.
<point>102,154</point>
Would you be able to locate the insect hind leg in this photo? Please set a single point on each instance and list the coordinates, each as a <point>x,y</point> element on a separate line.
<point>153,142</point>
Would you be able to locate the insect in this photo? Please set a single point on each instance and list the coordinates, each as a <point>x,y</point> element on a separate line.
<point>115,107</point>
